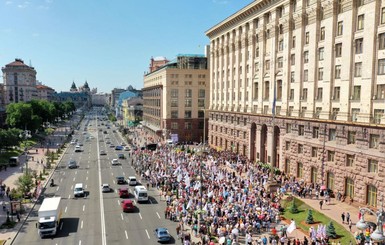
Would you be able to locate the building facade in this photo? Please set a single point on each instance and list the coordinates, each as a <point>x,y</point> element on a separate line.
<point>175,98</point>
<point>300,85</point>
<point>45,92</point>
<point>19,82</point>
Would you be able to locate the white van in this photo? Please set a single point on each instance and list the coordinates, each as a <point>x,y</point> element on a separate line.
<point>79,190</point>
<point>140,193</point>
<point>131,180</point>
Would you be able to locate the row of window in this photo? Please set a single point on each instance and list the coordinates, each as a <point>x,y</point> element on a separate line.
<point>186,125</point>
<point>188,93</point>
<point>374,139</point>
<point>187,76</point>
<point>187,114</point>
<point>187,103</point>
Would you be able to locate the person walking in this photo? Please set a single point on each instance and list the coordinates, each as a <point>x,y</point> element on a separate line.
<point>350,224</point>
<point>347,217</point>
<point>320,204</point>
<point>343,217</point>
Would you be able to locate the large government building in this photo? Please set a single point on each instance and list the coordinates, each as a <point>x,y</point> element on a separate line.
<point>301,85</point>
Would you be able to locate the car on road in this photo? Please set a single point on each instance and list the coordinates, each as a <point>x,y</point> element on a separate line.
<point>78,148</point>
<point>123,144</point>
<point>118,147</point>
<point>162,235</point>
<point>127,205</point>
<point>120,180</point>
<point>105,132</point>
<point>72,164</point>
<point>112,146</point>
<point>123,192</point>
<point>115,162</point>
<point>108,142</point>
<point>102,152</point>
<point>126,148</point>
<point>121,156</point>
<point>131,180</point>
<point>106,188</point>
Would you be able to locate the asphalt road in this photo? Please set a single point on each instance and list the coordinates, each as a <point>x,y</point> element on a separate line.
<point>98,218</point>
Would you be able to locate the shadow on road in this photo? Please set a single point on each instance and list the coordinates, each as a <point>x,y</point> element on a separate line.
<point>68,225</point>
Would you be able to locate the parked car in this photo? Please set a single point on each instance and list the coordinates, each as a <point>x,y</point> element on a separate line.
<point>118,147</point>
<point>120,180</point>
<point>102,152</point>
<point>126,148</point>
<point>162,235</point>
<point>106,188</point>
<point>123,192</point>
<point>121,156</point>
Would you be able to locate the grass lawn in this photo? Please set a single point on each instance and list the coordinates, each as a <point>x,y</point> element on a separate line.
<point>344,236</point>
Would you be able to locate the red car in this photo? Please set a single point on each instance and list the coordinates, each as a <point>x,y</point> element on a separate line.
<point>123,193</point>
<point>127,205</point>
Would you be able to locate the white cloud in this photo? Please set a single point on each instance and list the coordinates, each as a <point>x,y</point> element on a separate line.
<point>8,2</point>
<point>23,5</point>
<point>43,7</point>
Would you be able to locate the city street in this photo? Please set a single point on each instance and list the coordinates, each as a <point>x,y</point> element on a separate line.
<point>98,217</point>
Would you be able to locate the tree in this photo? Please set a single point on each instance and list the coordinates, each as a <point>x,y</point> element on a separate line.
<point>19,115</point>
<point>309,218</point>
<point>331,231</point>
<point>293,208</point>
<point>24,183</point>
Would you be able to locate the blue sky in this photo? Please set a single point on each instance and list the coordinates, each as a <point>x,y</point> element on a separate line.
<point>109,43</point>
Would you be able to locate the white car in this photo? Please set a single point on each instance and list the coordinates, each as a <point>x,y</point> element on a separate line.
<point>126,148</point>
<point>115,162</point>
<point>106,188</point>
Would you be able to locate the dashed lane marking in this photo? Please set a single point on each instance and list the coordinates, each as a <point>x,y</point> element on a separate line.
<point>158,215</point>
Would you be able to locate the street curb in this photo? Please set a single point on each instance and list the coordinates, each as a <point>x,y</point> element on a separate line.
<point>34,204</point>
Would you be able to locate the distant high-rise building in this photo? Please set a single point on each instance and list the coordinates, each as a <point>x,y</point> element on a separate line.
<point>175,97</point>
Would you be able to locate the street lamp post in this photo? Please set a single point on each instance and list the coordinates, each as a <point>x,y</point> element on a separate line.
<point>26,134</point>
<point>378,234</point>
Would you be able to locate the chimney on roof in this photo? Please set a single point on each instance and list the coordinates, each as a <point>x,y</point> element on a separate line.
<point>20,60</point>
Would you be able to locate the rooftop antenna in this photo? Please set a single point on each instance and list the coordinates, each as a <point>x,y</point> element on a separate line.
<point>30,63</point>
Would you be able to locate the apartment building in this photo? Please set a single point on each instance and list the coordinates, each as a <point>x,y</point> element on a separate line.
<point>300,85</point>
<point>175,98</point>
<point>19,81</point>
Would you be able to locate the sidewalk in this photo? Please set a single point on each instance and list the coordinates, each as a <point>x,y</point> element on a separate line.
<point>11,174</point>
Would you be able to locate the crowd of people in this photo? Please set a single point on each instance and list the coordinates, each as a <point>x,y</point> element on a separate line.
<point>220,195</point>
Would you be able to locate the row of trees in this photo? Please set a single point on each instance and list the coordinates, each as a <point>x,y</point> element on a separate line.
<point>32,114</point>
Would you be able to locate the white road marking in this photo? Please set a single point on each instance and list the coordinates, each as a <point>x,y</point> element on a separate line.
<point>76,172</point>
<point>102,223</point>
<point>64,173</point>
<point>61,180</point>
<point>116,191</point>
<point>80,242</point>
<point>112,174</point>
<point>85,186</point>
<point>72,187</point>
<point>69,196</point>
<point>147,234</point>
<point>140,216</point>
<point>87,171</point>
<point>73,179</point>
<point>114,182</point>
<point>87,178</point>
<point>81,225</point>
<point>126,235</point>
<point>61,225</point>
<point>158,215</point>
<point>57,188</point>
<point>84,207</point>
<point>124,173</point>
<point>118,202</point>
<point>65,210</point>
<point>150,200</point>
<point>121,166</point>
<point>121,215</point>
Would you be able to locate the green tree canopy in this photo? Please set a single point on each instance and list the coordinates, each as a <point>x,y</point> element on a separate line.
<point>19,115</point>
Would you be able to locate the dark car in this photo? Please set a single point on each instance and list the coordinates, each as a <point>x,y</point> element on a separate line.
<point>123,192</point>
<point>121,156</point>
<point>162,235</point>
<point>72,164</point>
<point>120,180</point>
<point>118,147</point>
